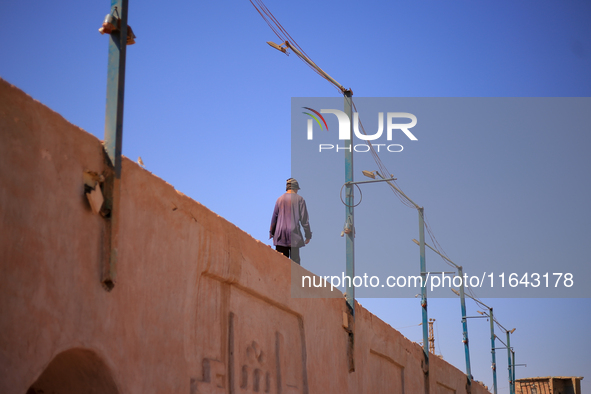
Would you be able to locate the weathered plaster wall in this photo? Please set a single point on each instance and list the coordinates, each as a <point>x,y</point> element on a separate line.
<point>199,306</point>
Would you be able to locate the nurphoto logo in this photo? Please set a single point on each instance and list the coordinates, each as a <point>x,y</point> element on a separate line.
<point>345,128</point>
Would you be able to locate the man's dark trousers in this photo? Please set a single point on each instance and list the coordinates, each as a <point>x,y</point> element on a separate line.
<point>292,253</point>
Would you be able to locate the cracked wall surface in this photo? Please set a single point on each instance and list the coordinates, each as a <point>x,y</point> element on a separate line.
<point>199,306</point>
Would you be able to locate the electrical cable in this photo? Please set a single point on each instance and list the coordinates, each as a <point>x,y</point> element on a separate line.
<point>284,36</point>
<point>360,196</point>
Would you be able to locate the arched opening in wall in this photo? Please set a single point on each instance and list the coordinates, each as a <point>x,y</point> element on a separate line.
<point>75,371</point>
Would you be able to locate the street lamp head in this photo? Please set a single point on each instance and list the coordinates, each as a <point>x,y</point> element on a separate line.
<point>369,174</point>
<point>455,292</point>
<point>512,331</point>
<point>415,241</point>
<point>278,47</point>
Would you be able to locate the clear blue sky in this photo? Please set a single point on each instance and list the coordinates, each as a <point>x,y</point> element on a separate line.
<point>207,107</point>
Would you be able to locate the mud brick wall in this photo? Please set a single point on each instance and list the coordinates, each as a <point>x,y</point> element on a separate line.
<point>199,306</point>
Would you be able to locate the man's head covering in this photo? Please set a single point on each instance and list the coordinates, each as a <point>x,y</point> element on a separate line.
<point>292,184</point>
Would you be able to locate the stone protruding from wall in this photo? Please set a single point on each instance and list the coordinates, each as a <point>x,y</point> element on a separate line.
<point>199,306</point>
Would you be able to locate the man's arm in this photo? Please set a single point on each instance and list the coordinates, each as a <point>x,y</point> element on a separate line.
<point>305,220</point>
<point>274,221</point>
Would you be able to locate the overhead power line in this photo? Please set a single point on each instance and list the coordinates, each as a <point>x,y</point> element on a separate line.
<point>288,40</point>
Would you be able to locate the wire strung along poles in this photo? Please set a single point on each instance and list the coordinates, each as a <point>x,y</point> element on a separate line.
<point>463,307</point>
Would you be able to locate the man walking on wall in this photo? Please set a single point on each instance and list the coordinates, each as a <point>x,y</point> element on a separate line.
<point>290,210</point>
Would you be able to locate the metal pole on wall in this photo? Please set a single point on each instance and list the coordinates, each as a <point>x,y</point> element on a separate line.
<point>510,366</point>
<point>350,235</point>
<point>513,369</point>
<point>424,283</point>
<point>114,136</point>
<point>465,326</point>
<point>349,210</point>
<point>492,346</point>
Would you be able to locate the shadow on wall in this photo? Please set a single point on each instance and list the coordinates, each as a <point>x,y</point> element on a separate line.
<point>75,371</point>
